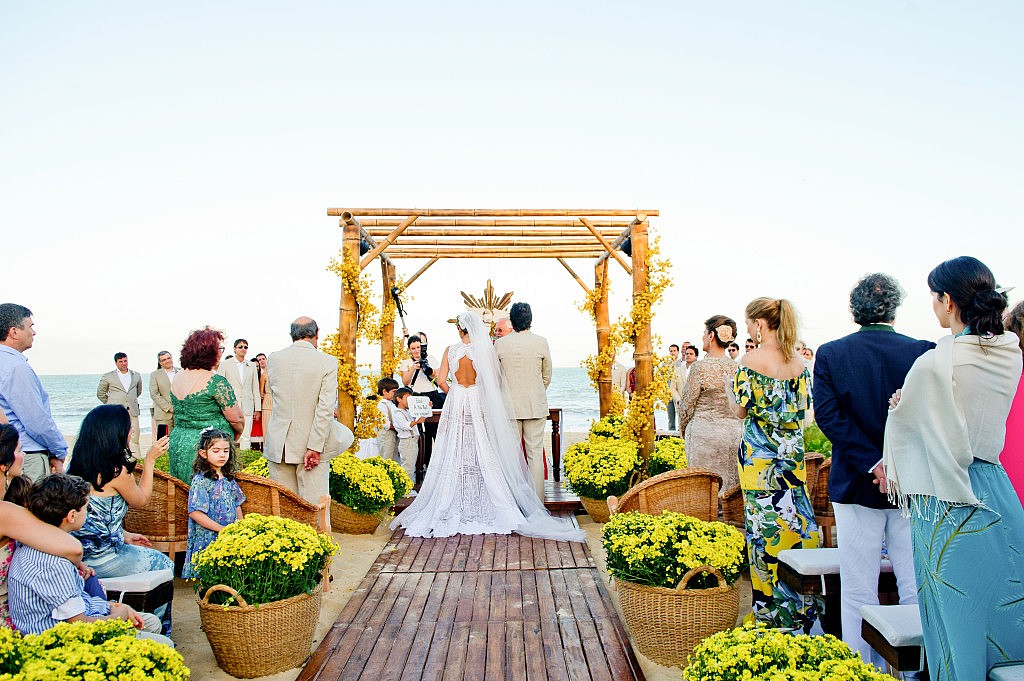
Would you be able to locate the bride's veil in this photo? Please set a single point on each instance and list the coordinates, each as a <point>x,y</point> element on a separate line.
<point>504,436</point>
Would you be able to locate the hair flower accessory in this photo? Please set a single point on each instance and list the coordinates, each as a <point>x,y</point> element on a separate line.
<point>724,333</point>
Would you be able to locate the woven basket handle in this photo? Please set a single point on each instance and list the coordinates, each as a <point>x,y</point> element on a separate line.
<point>226,589</point>
<point>696,571</point>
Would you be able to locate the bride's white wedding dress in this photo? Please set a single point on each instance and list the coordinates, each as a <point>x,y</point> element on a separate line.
<point>477,481</point>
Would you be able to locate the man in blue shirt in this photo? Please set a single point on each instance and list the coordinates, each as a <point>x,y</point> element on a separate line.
<point>22,398</point>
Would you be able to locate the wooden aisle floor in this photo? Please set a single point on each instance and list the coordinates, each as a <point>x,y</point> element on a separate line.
<point>478,607</point>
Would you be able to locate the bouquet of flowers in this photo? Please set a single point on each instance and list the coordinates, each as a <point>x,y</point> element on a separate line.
<point>399,478</point>
<point>362,486</point>
<point>756,653</point>
<point>264,559</point>
<point>258,466</point>
<point>657,550</point>
<point>601,467</point>
<point>83,651</point>
<point>669,455</point>
<point>609,426</point>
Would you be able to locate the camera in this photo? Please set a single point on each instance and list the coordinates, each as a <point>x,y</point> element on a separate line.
<point>424,363</point>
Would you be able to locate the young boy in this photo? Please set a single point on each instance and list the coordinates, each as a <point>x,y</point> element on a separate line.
<point>408,431</point>
<point>44,590</point>
<point>387,438</point>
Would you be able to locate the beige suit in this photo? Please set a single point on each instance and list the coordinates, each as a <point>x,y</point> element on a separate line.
<point>160,392</point>
<point>303,383</point>
<point>526,363</point>
<point>247,391</point>
<point>110,391</point>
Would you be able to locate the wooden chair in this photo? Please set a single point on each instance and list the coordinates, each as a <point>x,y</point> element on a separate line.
<point>823,504</point>
<point>692,491</point>
<point>165,520</point>
<point>813,461</point>
<point>732,506</point>
<point>263,495</point>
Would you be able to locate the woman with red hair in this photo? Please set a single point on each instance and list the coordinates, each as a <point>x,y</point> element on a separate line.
<point>202,399</point>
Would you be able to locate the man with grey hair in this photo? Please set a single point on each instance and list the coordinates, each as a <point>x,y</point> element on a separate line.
<point>301,436</point>
<point>853,379</point>
<point>162,411</point>
<point>23,401</point>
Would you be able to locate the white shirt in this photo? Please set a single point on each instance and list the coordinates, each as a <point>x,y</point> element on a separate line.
<point>241,370</point>
<point>125,378</point>
<point>403,423</point>
<point>385,407</point>
<point>170,374</point>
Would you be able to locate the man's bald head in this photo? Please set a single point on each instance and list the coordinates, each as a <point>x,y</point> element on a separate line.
<point>304,328</point>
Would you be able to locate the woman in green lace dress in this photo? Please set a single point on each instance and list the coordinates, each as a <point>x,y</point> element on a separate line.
<point>201,399</point>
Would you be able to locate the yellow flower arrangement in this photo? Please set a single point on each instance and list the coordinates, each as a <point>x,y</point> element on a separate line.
<point>669,455</point>
<point>609,426</point>
<point>259,467</point>
<point>364,487</point>
<point>657,550</point>
<point>264,559</point>
<point>88,651</point>
<point>399,478</point>
<point>369,419</point>
<point>600,467</point>
<point>756,653</point>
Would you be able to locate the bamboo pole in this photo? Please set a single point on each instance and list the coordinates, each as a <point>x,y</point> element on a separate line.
<point>587,241</point>
<point>540,255</point>
<point>604,328</point>
<point>642,358</point>
<point>490,212</point>
<point>607,246</point>
<point>621,238</point>
<point>387,331</point>
<point>420,231</point>
<point>420,271</point>
<point>574,275</point>
<point>483,247</point>
<point>390,239</point>
<point>611,225</point>
<point>347,319</point>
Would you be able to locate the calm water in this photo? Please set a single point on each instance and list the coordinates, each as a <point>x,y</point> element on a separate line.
<point>71,398</point>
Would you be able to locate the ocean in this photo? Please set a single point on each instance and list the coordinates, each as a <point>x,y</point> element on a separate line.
<point>72,396</point>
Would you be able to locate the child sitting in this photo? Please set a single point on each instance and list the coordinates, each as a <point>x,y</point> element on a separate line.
<point>407,429</point>
<point>44,590</point>
<point>214,499</point>
<point>387,438</point>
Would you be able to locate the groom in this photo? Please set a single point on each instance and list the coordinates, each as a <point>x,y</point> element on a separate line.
<point>526,363</point>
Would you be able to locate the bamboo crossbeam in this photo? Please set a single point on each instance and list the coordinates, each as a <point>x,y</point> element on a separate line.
<point>494,254</point>
<point>611,225</point>
<point>490,212</point>
<point>419,231</point>
<point>390,239</point>
<point>363,234</point>
<point>588,241</point>
<point>574,275</point>
<point>607,246</point>
<point>431,251</point>
<point>408,282</point>
<point>620,239</point>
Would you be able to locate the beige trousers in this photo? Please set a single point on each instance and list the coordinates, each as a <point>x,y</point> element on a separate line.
<point>310,485</point>
<point>532,433</point>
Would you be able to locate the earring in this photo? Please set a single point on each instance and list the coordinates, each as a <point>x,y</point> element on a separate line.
<point>758,337</point>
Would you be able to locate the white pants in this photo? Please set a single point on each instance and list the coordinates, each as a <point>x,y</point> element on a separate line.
<point>408,452</point>
<point>311,485</point>
<point>245,439</point>
<point>532,432</point>
<point>861,531</point>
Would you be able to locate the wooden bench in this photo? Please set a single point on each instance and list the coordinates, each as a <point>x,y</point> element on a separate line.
<point>265,496</point>
<point>145,591</point>
<point>895,632</point>
<point>164,521</point>
<point>692,491</point>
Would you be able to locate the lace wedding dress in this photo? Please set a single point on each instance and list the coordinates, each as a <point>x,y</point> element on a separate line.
<point>477,481</point>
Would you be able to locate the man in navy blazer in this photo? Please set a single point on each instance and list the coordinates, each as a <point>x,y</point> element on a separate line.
<point>854,377</point>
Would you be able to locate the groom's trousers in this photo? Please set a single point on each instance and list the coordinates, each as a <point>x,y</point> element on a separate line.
<point>532,433</point>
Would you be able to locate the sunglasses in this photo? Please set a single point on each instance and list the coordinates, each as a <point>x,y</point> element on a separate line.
<point>241,347</point>
<point>749,347</point>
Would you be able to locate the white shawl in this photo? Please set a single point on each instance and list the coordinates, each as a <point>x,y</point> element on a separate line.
<point>953,409</point>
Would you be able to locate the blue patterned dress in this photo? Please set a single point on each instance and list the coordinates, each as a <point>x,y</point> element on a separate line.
<point>219,499</point>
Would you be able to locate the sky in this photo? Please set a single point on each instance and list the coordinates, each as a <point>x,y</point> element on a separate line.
<point>164,167</point>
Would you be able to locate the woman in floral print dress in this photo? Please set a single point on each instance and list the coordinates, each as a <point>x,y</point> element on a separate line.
<point>771,389</point>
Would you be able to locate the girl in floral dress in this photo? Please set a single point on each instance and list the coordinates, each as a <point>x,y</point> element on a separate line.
<point>214,499</point>
<point>771,389</point>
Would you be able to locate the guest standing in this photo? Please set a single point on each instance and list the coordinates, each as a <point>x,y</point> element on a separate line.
<point>201,398</point>
<point>244,381</point>
<point>772,395</point>
<point>266,402</point>
<point>23,401</point>
<point>1012,457</point>
<point>160,391</point>
<point>674,388</point>
<point>711,429</point>
<point>942,444</point>
<point>850,377</point>
<point>123,386</point>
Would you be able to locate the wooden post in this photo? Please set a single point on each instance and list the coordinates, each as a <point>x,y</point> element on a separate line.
<point>604,380</point>
<point>387,332</point>
<point>347,319</point>
<point>642,358</point>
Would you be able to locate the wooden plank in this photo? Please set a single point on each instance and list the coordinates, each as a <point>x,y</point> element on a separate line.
<point>533,646</point>
<point>575,659</point>
<point>494,668</point>
<point>418,651</point>
<point>500,552</point>
<point>451,547</point>
<point>455,664</point>
<point>554,558</point>
<point>476,546</point>
<point>462,552</point>
<point>435,598</point>
<point>437,549</point>
<point>438,655</point>
<point>526,561</point>
<point>574,592</point>
<point>560,594</point>
<point>497,602</point>
<point>540,561</point>
<point>414,613</point>
<point>512,560</point>
<point>515,652</point>
<point>491,212</point>
<point>471,584</point>
<point>514,595</point>
<point>336,663</point>
<point>476,651</point>
<point>400,649</point>
<point>450,603</point>
<point>487,554</point>
<point>482,598</point>
<point>622,663</point>
<point>324,651</point>
<point>554,654</point>
<point>531,609</point>
<point>593,651</point>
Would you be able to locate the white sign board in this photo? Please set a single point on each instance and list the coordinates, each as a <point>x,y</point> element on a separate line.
<point>419,406</point>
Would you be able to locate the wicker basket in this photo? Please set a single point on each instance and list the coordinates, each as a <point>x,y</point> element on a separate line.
<point>347,521</point>
<point>596,508</point>
<point>693,491</point>
<point>668,623</point>
<point>251,641</point>
<point>732,507</point>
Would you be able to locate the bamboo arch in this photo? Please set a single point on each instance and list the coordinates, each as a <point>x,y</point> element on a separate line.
<point>452,233</point>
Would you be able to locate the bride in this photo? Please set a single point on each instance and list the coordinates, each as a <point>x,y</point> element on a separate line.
<point>478,481</point>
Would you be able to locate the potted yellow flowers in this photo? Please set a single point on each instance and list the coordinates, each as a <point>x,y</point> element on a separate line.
<point>362,489</point>
<point>260,585</point>
<point>669,455</point>
<point>676,578</point>
<point>598,468</point>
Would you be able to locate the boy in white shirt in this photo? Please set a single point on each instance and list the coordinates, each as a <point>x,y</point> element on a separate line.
<point>407,429</point>
<point>387,438</point>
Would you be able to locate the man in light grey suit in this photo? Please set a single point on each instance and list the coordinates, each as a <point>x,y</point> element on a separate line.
<point>160,391</point>
<point>302,434</point>
<point>123,386</point>
<point>246,384</point>
<point>526,362</point>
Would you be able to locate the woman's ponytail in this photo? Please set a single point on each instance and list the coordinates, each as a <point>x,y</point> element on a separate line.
<point>787,333</point>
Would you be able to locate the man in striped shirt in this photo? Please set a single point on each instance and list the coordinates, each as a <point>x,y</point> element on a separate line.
<point>44,590</point>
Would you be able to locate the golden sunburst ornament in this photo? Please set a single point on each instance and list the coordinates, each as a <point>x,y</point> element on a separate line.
<point>490,307</point>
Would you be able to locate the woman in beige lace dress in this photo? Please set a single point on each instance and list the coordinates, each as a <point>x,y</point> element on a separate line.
<point>706,419</point>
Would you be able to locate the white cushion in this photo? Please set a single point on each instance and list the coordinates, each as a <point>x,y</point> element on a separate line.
<point>141,582</point>
<point>900,625</point>
<point>1010,672</point>
<point>817,561</point>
